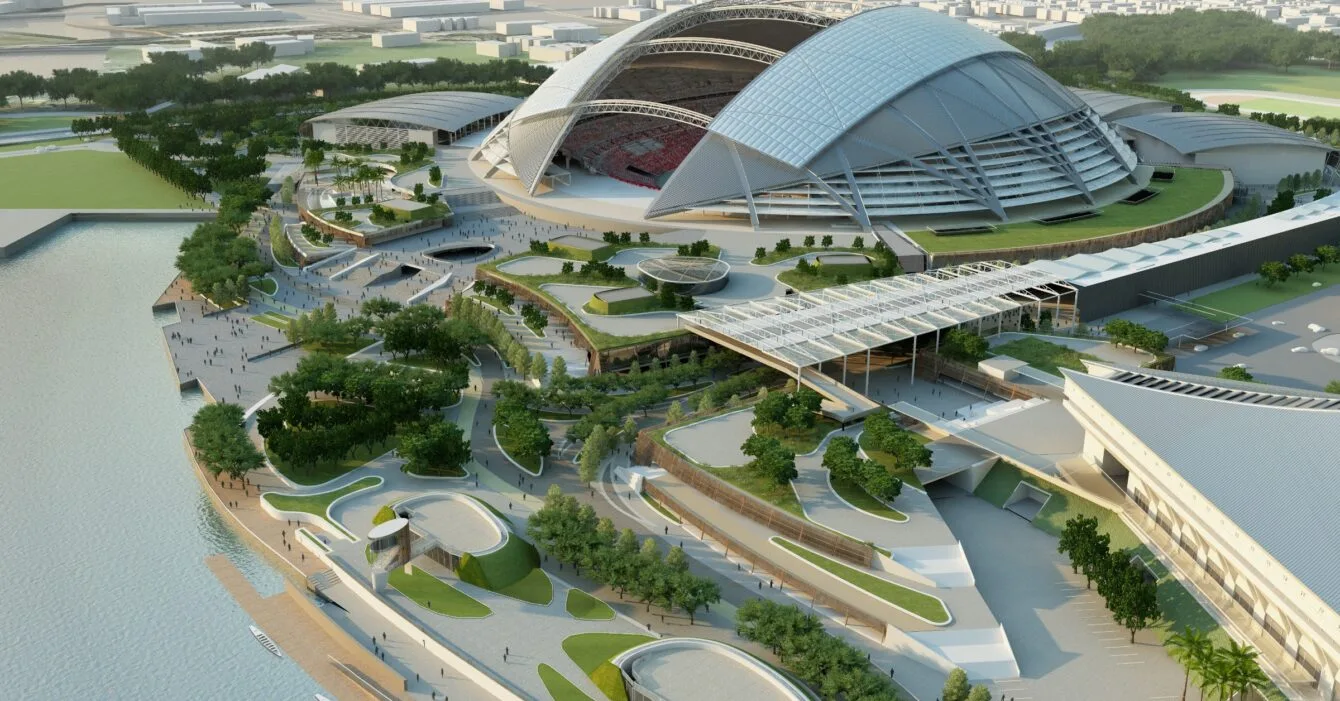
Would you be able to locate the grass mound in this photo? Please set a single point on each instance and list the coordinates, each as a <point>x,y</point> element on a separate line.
<point>585,607</point>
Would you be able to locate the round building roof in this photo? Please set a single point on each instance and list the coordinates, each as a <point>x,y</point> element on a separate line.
<point>684,270</point>
<point>391,527</point>
<point>447,110</point>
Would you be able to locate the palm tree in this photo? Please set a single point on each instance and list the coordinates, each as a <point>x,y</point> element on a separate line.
<point>1216,678</point>
<point>1244,674</point>
<point>1192,649</point>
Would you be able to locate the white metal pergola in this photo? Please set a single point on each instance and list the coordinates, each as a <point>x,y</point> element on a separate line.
<point>809,328</point>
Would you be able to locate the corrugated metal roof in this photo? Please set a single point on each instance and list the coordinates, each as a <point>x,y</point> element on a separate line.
<point>1191,132</point>
<point>1107,103</point>
<point>1272,469</point>
<point>836,78</point>
<point>446,110</point>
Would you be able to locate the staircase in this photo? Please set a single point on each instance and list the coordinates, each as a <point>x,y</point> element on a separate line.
<point>325,579</point>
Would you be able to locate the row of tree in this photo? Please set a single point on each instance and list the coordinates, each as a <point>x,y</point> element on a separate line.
<point>1273,272</point>
<point>324,326</point>
<point>1128,333</point>
<point>957,688</point>
<point>512,351</point>
<point>572,534</point>
<point>1130,594</point>
<point>221,441</point>
<point>1323,128</point>
<point>518,424</point>
<point>833,666</point>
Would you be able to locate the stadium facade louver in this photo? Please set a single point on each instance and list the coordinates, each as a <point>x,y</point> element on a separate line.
<point>769,109</point>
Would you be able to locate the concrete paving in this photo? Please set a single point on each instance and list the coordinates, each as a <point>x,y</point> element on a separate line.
<point>455,524</point>
<point>715,442</point>
<point>1064,639</point>
<point>702,675</point>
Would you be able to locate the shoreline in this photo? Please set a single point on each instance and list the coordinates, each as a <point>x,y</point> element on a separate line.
<point>31,226</point>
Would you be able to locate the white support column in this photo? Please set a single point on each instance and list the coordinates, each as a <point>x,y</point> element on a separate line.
<point>844,370</point>
<point>867,372</point>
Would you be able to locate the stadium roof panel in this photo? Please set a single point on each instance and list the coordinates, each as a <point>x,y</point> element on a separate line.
<point>1191,132</point>
<point>444,110</point>
<point>811,327</point>
<point>1109,103</point>
<point>1275,430</point>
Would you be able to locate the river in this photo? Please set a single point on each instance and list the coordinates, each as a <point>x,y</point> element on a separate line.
<point>103,529</point>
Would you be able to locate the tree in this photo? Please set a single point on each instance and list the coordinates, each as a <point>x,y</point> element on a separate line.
<point>593,452</point>
<point>539,368</point>
<point>826,241</point>
<point>841,459</point>
<point>1333,386</point>
<point>435,175</point>
<point>1284,200</point>
<point>1301,263</point>
<point>674,413</point>
<point>705,404</point>
<point>979,693</point>
<point>1243,672</point>
<point>964,346</point>
<point>221,443</point>
<point>1192,649</point>
<point>434,447</point>
<point>760,253</point>
<point>1134,600</point>
<point>1272,272</point>
<point>808,242</point>
<point>771,460</point>
<point>1326,255</point>
<point>629,429</point>
<point>1077,531</point>
<point>558,371</point>
<point>286,190</point>
<point>956,687</point>
<point>1234,372</point>
<point>312,159</point>
<point>380,308</point>
<point>858,243</point>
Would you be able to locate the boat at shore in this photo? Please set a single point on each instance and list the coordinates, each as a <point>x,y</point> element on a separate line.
<point>265,641</point>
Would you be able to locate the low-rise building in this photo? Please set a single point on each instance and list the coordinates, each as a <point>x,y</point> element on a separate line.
<point>392,40</point>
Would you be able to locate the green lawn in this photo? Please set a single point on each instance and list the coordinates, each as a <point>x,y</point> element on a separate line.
<point>436,595</point>
<point>1302,109</point>
<point>910,600</point>
<point>532,463</point>
<point>1253,295</point>
<point>590,650</point>
<point>11,125</point>
<point>1044,355</point>
<point>774,256</point>
<point>808,281</point>
<point>274,320</point>
<point>885,459</point>
<point>266,285</point>
<point>84,179</point>
<point>316,504</point>
<point>559,687</point>
<point>803,440</point>
<point>505,309</point>
<point>862,500</point>
<point>1192,189</point>
<point>779,495</point>
<point>585,607</point>
<point>325,471</point>
<point>1304,80</point>
<point>659,507</point>
<point>512,570</point>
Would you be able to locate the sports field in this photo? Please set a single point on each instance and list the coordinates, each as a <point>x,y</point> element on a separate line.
<point>1302,109</point>
<point>1192,189</point>
<point>1305,80</point>
<point>84,180</point>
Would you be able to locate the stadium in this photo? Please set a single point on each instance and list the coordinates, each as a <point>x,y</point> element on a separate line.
<point>764,115</point>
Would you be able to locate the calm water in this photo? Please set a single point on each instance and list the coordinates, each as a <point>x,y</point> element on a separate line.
<point>103,592</point>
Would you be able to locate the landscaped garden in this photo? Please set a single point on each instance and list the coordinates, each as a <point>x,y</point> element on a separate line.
<point>1191,189</point>
<point>585,607</point>
<point>318,504</point>
<point>873,450</point>
<point>265,285</point>
<point>1254,295</point>
<point>910,600</point>
<point>85,180</point>
<point>322,471</point>
<point>1044,355</point>
<point>512,570</point>
<point>436,595</point>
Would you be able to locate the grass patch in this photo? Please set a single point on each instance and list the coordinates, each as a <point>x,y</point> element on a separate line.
<point>436,595</point>
<point>1044,355</point>
<point>532,463</point>
<point>321,472</point>
<point>660,508</point>
<point>885,459</point>
<point>535,328</point>
<point>274,320</point>
<point>584,607</point>
<point>1253,295</point>
<point>505,309</point>
<point>85,179</point>
<point>781,496</point>
<point>316,504</point>
<point>861,499</point>
<point>590,650</point>
<point>912,601</point>
<point>1302,109</point>
<point>13,125</point>
<point>1304,80</point>
<point>340,349</point>
<point>265,285</point>
<point>797,251</point>
<point>1192,189</point>
<point>512,570</point>
<point>803,440</point>
<point>559,687</point>
<point>805,282</point>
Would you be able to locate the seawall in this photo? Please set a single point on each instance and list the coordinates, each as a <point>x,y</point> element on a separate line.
<point>26,227</point>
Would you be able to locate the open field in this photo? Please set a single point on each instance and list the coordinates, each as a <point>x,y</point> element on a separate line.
<point>1253,295</point>
<point>1302,109</point>
<point>84,180</point>
<point>11,125</point>
<point>1305,80</point>
<point>1192,189</point>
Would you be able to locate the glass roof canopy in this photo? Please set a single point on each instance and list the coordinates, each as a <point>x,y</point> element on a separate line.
<point>811,327</point>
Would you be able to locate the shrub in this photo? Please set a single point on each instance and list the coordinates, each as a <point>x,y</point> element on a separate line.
<point>384,514</point>
<point>609,680</point>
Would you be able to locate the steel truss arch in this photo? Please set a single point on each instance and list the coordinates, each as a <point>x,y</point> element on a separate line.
<point>642,107</point>
<point>704,45</point>
<point>688,19</point>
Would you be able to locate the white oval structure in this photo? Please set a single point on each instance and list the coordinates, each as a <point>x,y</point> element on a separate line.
<point>765,109</point>
<point>693,669</point>
<point>686,275</point>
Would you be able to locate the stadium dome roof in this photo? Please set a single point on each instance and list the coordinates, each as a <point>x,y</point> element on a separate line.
<point>895,111</point>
